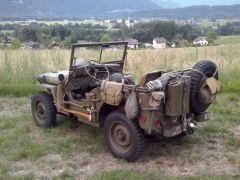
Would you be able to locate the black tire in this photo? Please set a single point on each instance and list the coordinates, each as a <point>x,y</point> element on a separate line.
<point>43,110</point>
<point>123,137</point>
<point>209,69</point>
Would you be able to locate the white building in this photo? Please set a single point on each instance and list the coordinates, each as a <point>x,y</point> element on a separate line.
<point>133,43</point>
<point>160,43</point>
<point>200,41</point>
<point>120,21</point>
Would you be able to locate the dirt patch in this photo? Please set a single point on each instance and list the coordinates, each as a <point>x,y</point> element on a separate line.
<point>160,158</point>
<point>236,131</point>
<point>14,107</point>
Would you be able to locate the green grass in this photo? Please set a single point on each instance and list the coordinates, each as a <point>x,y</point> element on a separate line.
<point>108,25</point>
<point>18,67</point>
<point>19,141</point>
<point>18,89</point>
<point>221,22</point>
<point>125,174</point>
<point>234,142</point>
<point>228,40</point>
<point>122,174</point>
<point>22,141</point>
<point>64,176</point>
<point>29,176</point>
<point>6,31</point>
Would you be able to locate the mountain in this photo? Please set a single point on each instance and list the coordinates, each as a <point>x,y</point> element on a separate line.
<point>171,4</point>
<point>197,12</point>
<point>186,3</point>
<point>168,4</point>
<point>117,8</point>
<point>71,8</point>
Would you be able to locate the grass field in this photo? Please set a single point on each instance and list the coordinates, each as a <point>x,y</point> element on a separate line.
<point>6,31</point>
<point>93,22</point>
<point>27,152</point>
<point>221,22</point>
<point>18,67</point>
<point>228,40</point>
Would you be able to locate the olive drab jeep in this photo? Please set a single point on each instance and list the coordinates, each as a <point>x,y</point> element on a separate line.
<point>96,91</point>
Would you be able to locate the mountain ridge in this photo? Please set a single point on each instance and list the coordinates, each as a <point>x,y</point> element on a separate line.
<point>110,9</point>
<point>70,8</point>
<point>196,12</point>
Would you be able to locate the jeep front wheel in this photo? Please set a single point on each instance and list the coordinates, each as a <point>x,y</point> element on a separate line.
<point>123,137</point>
<point>43,110</point>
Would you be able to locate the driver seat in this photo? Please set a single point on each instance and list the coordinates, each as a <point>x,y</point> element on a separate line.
<point>117,77</point>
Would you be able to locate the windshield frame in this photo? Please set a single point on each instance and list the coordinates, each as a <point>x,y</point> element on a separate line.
<point>100,44</point>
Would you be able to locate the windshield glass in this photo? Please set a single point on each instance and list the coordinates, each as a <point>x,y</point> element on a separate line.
<point>100,53</point>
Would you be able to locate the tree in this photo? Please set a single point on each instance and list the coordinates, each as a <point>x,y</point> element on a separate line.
<point>56,39</point>
<point>27,34</point>
<point>189,32</point>
<point>211,36</point>
<point>15,43</point>
<point>67,43</point>
<point>178,38</point>
<point>106,38</point>
<point>185,43</point>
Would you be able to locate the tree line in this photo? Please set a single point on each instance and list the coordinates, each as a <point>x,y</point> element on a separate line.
<point>144,32</point>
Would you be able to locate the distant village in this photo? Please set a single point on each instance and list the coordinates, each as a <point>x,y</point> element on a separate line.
<point>133,44</point>
<point>129,22</point>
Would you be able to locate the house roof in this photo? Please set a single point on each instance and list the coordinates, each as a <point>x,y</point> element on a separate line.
<point>54,43</point>
<point>132,41</point>
<point>160,40</point>
<point>6,39</point>
<point>199,39</point>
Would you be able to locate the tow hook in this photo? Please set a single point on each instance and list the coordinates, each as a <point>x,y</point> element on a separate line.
<point>191,127</point>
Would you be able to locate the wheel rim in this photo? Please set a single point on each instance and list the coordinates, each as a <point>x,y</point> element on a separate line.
<point>41,112</point>
<point>120,137</point>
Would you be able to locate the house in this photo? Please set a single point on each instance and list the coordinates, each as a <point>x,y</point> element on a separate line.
<point>160,43</point>
<point>6,41</point>
<point>120,21</point>
<point>30,45</point>
<point>54,45</point>
<point>148,45</point>
<point>107,21</point>
<point>200,41</point>
<point>133,43</point>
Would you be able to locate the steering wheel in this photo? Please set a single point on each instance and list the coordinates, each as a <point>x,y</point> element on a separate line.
<point>93,72</point>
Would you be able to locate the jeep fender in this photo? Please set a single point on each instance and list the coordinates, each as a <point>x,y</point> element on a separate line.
<point>51,89</point>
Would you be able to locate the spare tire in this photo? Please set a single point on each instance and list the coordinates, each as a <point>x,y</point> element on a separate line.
<point>202,70</point>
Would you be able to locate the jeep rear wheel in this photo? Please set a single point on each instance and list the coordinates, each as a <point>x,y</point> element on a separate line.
<point>124,138</point>
<point>43,110</point>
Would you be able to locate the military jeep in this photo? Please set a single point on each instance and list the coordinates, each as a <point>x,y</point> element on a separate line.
<point>96,91</point>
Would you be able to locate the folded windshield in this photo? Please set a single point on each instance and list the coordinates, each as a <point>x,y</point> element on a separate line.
<point>101,53</point>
